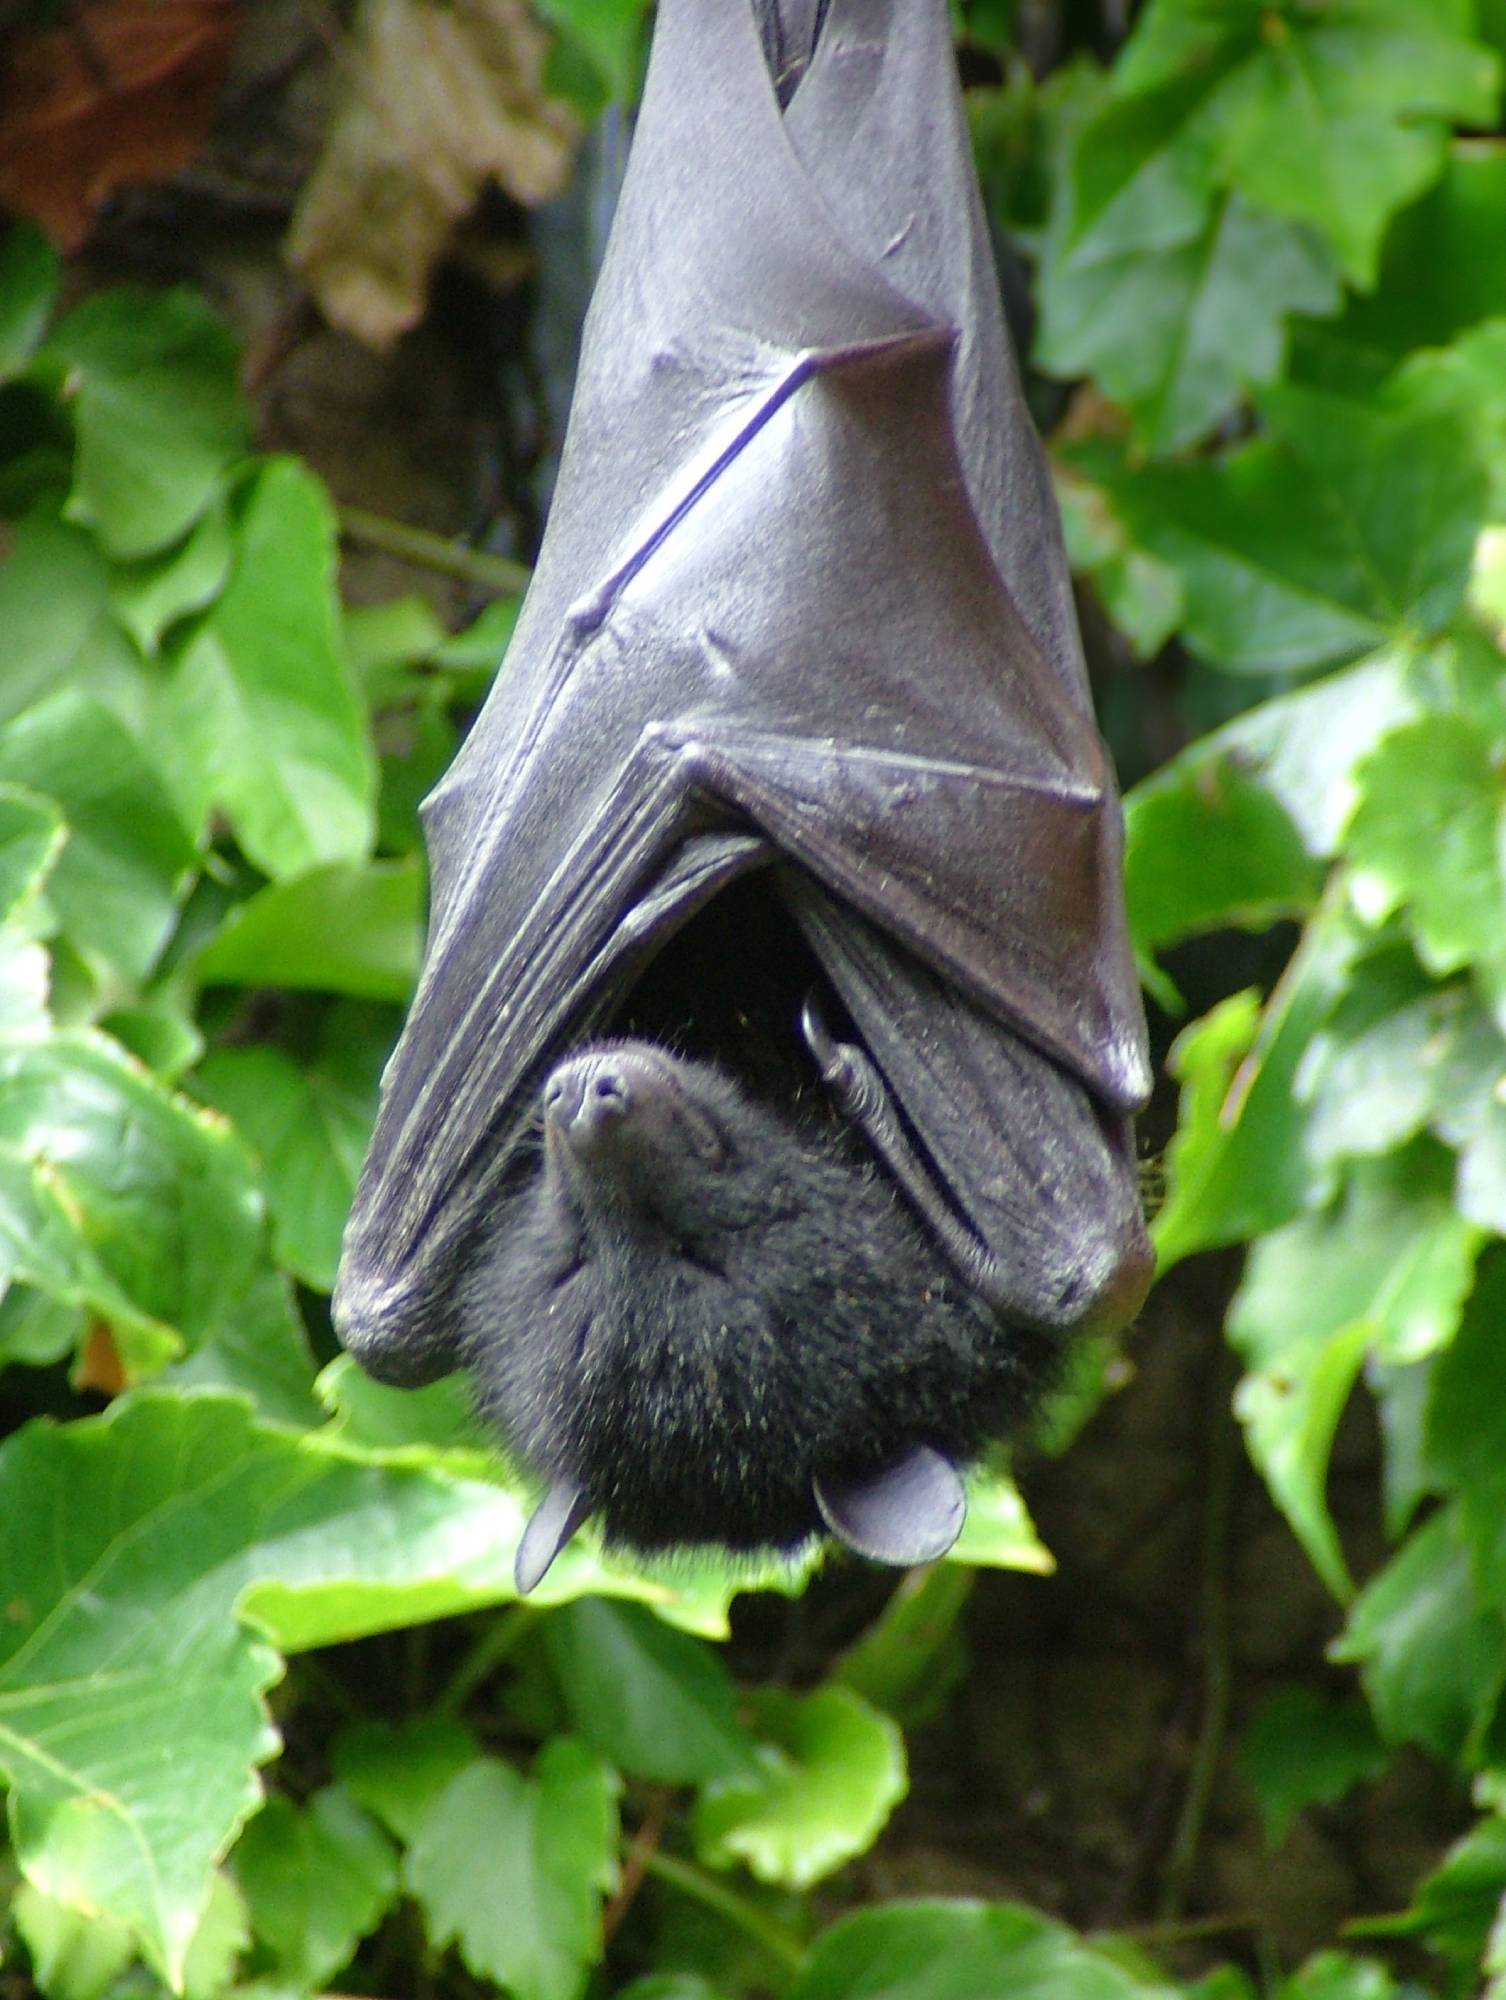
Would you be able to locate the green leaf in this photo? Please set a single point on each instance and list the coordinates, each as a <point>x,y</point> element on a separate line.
<point>127,1545</point>
<point>1426,835</point>
<point>671,1986</point>
<point>399,1772</point>
<point>609,32</point>
<point>435,1419</point>
<point>512,1870</point>
<point>1464,1439</point>
<point>1346,526</point>
<point>657,1703</point>
<point>1303,1749</point>
<point>1252,866</point>
<point>1236,1167</point>
<point>309,1125</point>
<point>55,611</point>
<point>911,1656</point>
<point>830,1771</point>
<point>74,1956</point>
<point>29,271</point>
<point>1433,1659</point>
<point>31,839</point>
<point>151,380</point>
<point>1386,1267</point>
<point>998,1532</point>
<point>1467,380</point>
<point>126,865</point>
<point>151,595</point>
<point>1176,333</point>
<point>261,716</point>
<point>257,1347</point>
<point>341,929</point>
<point>223,1935</point>
<point>1336,1975</point>
<point>317,1879</point>
<point>961,1951</point>
<point>116,1196</point>
<point>1440,270</point>
<point>1141,594</point>
<point>1456,1907</point>
<point>1332,116</point>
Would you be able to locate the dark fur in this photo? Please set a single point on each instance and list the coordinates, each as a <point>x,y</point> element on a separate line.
<point>692,1339</point>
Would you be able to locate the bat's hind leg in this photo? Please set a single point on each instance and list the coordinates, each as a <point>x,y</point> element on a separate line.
<point>860,1094</point>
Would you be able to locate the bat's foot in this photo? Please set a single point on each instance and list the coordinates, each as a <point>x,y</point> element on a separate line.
<point>909,1513</point>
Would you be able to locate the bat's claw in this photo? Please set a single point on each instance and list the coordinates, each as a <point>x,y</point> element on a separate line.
<point>911,1512</point>
<point>563,1509</point>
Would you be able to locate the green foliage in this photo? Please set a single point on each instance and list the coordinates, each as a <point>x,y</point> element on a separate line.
<point>1268,261</point>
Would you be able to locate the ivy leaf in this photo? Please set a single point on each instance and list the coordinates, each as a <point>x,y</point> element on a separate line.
<point>609,31</point>
<point>1237,1167</point>
<point>356,930</point>
<point>1432,1657</point>
<point>1142,595</point>
<point>660,1704</point>
<point>1425,838</point>
<point>29,270</point>
<point>31,839</point>
<point>1334,116</point>
<point>830,1771</point>
<point>998,1532</point>
<point>261,715</point>
<point>317,1879</point>
<point>398,1772</point>
<point>1337,1975</point>
<point>512,1869</point>
<point>309,1123</point>
<point>257,1347</point>
<point>1253,867</point>
<point>1175,334</point>
<point>1343,528</point>
<point>1465,1427</point>
<point>959,1951</point>
<point>1303,1748</point>
<point>1386,1267</point>
<point>117,1196</point>
<point>55,611</point>
<point>1440,274</point>
<point>125,868</point>
<point>151,381</point>
<point>1457,1906</point>
<point>127,1545</point>
<point>151,595</point>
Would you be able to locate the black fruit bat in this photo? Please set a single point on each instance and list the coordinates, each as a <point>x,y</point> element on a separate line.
<point>801,639</point>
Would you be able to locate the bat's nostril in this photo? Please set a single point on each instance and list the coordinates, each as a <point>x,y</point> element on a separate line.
<point>610,1085</point>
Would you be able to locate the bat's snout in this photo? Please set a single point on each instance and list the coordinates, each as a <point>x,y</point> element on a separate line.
<point>589,1095</point>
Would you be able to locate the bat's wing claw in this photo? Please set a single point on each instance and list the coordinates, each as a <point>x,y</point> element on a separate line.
<point>911,1512</point>
<point>563,1509</point>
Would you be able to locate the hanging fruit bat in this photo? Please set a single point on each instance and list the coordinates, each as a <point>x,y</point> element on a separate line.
<point>800,642</point>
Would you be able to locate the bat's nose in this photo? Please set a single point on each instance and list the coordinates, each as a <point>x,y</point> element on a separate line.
<point>587,1095</point>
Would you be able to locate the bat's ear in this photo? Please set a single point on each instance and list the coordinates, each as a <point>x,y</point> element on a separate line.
<point>563,1509</point>
<point>911,1512</point>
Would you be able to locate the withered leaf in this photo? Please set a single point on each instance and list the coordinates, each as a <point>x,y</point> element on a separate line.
<point>440,96</point>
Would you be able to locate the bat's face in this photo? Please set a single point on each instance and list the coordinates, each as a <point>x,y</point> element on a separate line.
<point>620,1124</point>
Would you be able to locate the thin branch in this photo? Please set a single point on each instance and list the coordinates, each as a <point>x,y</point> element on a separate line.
<point>1223,1460</point>
<point>426,550</point>
<point>694,1882</point>
<point>635,1868</point>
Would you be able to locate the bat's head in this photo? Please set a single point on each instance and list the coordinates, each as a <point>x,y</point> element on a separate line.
<point>626,1124</point>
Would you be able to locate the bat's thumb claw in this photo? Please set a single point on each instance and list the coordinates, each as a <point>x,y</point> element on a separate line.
<point>911,1512</point>
<point>564,1507</point>
<point>818,1037</point>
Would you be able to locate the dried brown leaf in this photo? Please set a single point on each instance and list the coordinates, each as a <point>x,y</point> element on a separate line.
<point>440,96</point>
<point>124,93</point>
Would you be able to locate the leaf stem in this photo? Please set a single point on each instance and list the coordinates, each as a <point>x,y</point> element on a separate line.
<point>498,1640</point>
<point>696,1883</point>
<point>1223,1457</point>
<point>426,550</point>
